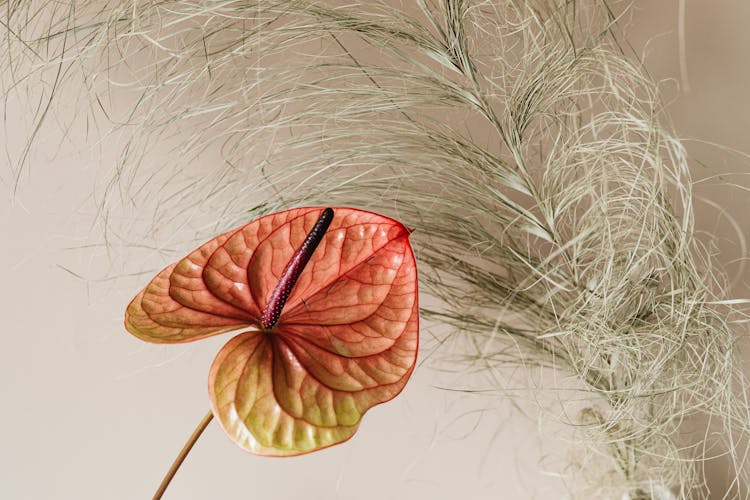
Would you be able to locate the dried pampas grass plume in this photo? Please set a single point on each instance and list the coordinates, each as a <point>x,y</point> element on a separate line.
<point>553,210</point>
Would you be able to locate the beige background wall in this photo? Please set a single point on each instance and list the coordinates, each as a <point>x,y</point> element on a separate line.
<point>90,413</point>
<point>708,102</point>
<point>707,99</point>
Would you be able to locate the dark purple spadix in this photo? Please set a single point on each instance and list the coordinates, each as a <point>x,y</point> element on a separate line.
<point>293,269</point>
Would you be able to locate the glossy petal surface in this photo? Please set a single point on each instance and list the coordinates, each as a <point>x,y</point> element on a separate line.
<point>346,339</point>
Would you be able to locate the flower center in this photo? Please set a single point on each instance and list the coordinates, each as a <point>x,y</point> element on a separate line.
<point>293,269</point>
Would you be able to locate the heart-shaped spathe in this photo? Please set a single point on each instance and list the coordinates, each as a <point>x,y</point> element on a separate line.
<point>328,302</point>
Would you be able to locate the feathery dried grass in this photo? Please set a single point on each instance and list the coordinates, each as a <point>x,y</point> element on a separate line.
<point>553,211</point>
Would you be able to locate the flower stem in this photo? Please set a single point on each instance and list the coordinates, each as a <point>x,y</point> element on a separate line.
<point>183,454</point>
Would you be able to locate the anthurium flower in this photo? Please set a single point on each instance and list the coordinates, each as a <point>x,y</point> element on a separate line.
<point>327,303</point>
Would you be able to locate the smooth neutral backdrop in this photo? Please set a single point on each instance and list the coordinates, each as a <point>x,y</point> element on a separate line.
<point>89,412</point>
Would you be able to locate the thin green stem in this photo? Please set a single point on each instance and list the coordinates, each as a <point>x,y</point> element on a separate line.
<point>183,454</point>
